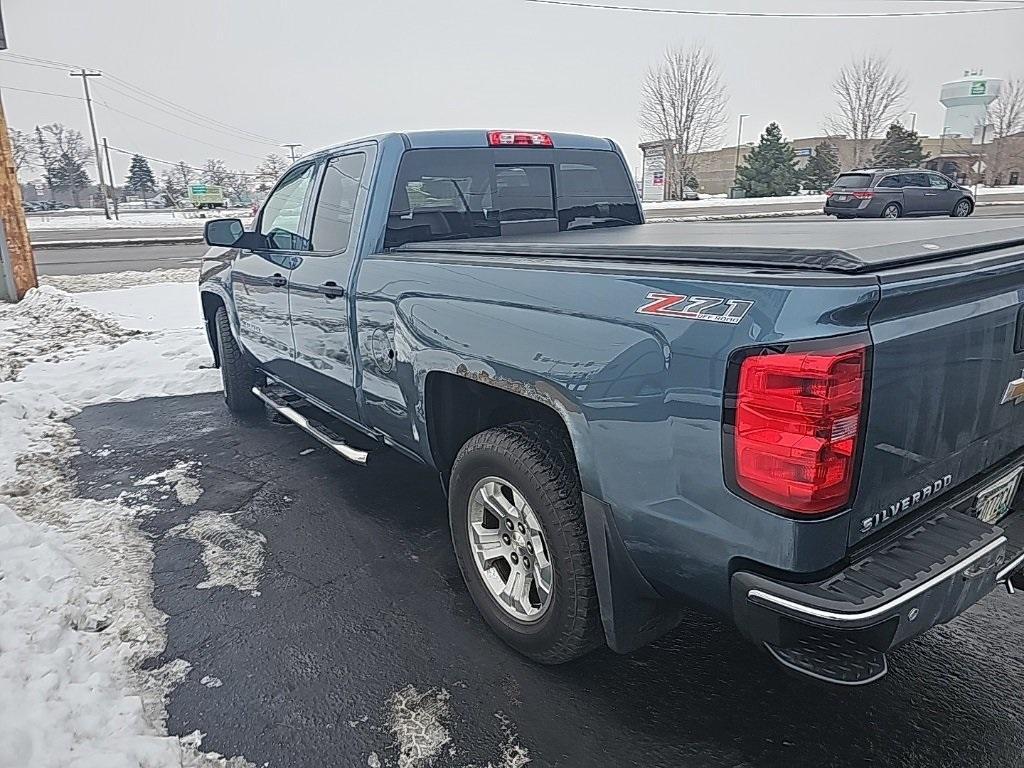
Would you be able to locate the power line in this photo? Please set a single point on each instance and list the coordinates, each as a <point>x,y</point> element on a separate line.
<point>130,153</point>
<point>208,122</point>
<point>41,93</point>
<point>777,15</point>
<point>206,125</point>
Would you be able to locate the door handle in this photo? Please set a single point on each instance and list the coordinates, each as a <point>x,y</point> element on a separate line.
<point>331,290</point>
<point>930,194</point>
<point>278,281</point>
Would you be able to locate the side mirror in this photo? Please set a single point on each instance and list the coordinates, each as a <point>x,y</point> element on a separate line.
<point>223,232</point>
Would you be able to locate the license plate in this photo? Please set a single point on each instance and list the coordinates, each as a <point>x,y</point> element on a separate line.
<point>842,198</point>
<point>993,503</point>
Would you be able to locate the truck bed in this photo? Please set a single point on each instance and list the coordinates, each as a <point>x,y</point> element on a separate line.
<point>850,247</point>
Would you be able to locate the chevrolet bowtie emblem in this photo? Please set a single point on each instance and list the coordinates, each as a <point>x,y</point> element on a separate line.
<point>1014,391</point>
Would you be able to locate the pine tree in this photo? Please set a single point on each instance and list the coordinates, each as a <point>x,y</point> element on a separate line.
<point>823,167</point>
<point>140,179</point>
<point>901,148</point>
<point>769,170</point>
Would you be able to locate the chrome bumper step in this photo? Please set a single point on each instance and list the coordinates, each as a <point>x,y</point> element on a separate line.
<point>285,403</point>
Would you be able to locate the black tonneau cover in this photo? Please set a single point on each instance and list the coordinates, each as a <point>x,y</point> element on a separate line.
<point>854,246</point>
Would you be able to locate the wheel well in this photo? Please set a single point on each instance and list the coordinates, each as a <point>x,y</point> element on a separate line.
<point>458,408</point>
<point>211,303</point>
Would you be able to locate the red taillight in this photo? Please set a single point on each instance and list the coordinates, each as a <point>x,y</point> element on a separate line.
<point>829,192</point>
<point>519,139</point>
<point>865,194</point>
<point>797,425</point>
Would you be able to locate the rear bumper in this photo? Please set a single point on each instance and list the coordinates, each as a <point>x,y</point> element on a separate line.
<point>927,576</point>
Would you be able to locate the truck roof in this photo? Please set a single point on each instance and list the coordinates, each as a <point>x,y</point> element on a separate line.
<point>813,245</point>
<point>468,138</point>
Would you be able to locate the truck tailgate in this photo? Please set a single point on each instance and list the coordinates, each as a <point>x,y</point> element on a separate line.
<point>948,342</point>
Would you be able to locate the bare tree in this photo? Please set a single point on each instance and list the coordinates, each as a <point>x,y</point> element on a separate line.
<point>63,153</point>
<point>240,185</point>
<point>682,103</point>
<point>216,172</point>
<point>869,95</point>
<point>269,170</point>
<point>1007,118</point>
<point>24,150</point>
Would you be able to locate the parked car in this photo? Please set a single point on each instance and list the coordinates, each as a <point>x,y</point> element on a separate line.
<point>890,194</point>
<point>777,425</point>
<point>689,193</point>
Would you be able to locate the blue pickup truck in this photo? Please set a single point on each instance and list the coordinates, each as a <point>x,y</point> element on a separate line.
<point>812,430</point>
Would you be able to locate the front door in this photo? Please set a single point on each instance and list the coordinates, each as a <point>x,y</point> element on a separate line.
<point>943,198</point>
<point>260,277</point>
<point>321,303</point>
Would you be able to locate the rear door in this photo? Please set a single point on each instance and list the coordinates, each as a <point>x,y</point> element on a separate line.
<point>918,195</point>
<point>260,278</point>
<point>320,299</point>
<point>841,194</point>
<point>948,340</point>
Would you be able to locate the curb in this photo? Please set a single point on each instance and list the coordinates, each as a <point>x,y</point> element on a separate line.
<point>105,243</point>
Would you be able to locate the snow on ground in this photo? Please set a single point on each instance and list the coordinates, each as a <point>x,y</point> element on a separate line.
<point>133,219</point>
<point>110,280</point>
<point>76,613</point>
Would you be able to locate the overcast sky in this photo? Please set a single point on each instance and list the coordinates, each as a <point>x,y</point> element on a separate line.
<point>323,71</point>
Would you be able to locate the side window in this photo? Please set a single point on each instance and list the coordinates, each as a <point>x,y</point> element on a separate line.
<point>335,208</point>
<point>916,180</point>
<point>282,213</point>
<point>937,181</point>
<point>890,182</point>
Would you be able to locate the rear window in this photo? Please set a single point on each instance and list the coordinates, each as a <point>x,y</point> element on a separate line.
<point>448,194</point>
<point>853,181</point>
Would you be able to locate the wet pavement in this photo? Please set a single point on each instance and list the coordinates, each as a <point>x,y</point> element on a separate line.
<point>342,592</point>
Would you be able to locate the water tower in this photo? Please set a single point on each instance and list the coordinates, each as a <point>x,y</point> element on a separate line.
<point>966,101</point>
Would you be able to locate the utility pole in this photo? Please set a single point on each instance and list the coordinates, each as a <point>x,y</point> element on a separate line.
<point>291,148</point>
<point>95,141</point>
<point>913,121</point>
<point>16,258</point>
<point>110,175</point>
<point>739,140</point>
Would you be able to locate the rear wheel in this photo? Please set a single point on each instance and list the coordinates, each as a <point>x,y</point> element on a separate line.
<point>516,513</point>
<point>962,209</point>
<point>892,211</point>
<point>236,374</point>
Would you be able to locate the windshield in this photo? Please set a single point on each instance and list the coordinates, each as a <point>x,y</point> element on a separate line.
<point>444,194</point>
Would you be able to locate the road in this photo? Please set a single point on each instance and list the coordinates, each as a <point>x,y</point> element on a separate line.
<point>359,598</point>
<point>96,260</point>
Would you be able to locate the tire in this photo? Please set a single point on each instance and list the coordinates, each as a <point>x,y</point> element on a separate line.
<point>892,211</point>
<point>536,461</point>
<point>236,374</point>
<point>962,209</point>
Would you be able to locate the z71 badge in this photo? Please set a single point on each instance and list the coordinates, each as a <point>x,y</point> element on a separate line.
<point>695,307</point>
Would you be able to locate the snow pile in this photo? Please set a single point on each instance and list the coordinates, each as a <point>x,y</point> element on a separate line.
<point>76,612</point>
<point>133,220</point>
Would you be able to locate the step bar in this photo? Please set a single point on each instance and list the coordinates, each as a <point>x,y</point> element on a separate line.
<point>321,433</point>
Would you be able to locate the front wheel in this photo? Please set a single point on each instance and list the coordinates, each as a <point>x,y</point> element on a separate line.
<point>516,513</point>
<point>237,375</point>
<point>962,209</point>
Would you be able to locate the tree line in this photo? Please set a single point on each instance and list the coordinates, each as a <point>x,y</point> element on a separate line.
<point>683,105</point>
<point>62,157</point>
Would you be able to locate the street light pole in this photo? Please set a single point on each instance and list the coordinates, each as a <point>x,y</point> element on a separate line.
<point>95,141</point>
<point>739,140</point>
<point>291,148</point>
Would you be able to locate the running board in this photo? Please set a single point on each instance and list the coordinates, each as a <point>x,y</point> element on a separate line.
<point>319,431</point>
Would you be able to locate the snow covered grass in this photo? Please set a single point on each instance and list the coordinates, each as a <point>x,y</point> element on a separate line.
<point>76,613</point>
<point>112,280</point>
<point>131,219</point>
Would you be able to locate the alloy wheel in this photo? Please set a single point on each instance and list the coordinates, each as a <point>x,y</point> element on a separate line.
<point>509,549</point>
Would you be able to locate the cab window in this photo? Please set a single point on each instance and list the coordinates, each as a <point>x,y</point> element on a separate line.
<point>335,208</point>
<point>281,219</point>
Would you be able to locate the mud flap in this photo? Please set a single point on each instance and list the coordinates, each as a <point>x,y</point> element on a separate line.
<point>633,614</point>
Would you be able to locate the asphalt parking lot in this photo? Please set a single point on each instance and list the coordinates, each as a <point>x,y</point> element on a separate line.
<point>343,608</point>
